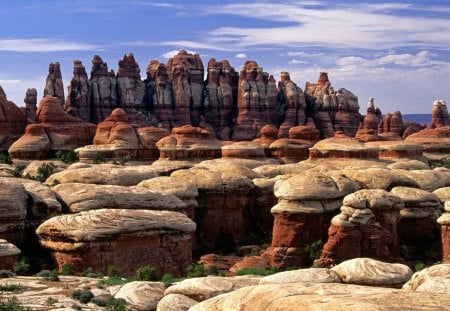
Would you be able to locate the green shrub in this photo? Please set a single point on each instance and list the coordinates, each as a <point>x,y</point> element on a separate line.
<point>67,157</point>
<point>112,272</point>
<point>51,301</point>
<point>196,271</point>
<point>43,172</point>
<point>11,304</point>
<point>11,288</point>
<point>48,275</point>
<point>168,279</point>
<point>113,281</point>
<point>6,274</point>
<point>114,304</point>
<point>66,269</point>
<point>5,158</point>
<point>314,250</point>
<point>22,267</point>
<point>419,266</point>
<point>97,158</point>
<point>146,273</point>
<point>82,295</point>
<point>256,271</point>
<point>89,274</point>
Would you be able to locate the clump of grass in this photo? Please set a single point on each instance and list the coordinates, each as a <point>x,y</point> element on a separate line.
<point>5,158</point>
<point>11,304</point>
<point>66,269</point>
<point>195,271</point>
<point>67,157</point>
<point>146,273</point>
<point>22,267</point>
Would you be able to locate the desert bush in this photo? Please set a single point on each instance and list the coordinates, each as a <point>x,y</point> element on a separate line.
<point>146,273</point>
<point>314,250</point>
<point>82,295</point>
<point>114,304</point>
<point>11,304</point>
<point>195,271</point>
<point>66,269</point>
<point>22,267</point>
<point>11,288</point>
<point>5,158</point>
<point>48,275</point>
<point>6,274</point>
<point>67,157</point>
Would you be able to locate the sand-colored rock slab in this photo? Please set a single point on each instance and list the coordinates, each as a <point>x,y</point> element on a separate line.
<point>379,178</point>
<point>84,197</point>
<point>434,279</point>
<point>322,297</point>
<point>175,302</point>
<point>443,194</point>
<point>310,275</point>
<point>142,295</point>
<point>367,271</point>
<point>204,288</point>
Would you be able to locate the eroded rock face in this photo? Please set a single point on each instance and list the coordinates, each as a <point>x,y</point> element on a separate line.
<point>12,122</point>
<point>78,101</point>
<point>221,89</point>
<point>332,110</point>
<point>373,116</point>
<point>9,255</point>
<point>339,297</point>
<point>434,140</point>
<point>306,204</point>
<point>175,302</point>
<point>30,101</point>
<point>257,96</point>
<point>13,211</point>
<point>104,89</point>
<point>439,114</point>
<point>357,232</point>
<point>367,271</point>
<point>126,239</point>
<point>223,201</point>
<point>55,130</point>
<point>434,279</point>
<point>54,83</point>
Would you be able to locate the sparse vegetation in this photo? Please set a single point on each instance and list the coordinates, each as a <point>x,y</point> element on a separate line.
<point>445,163</point>
<point>122,161</point>
<point>43,172</point>
<point>112,272</point>
<point>419,266</point>
<point>16,172</point>
<point>110,281</point>
<point>51,301</point>
<point>256,271</point>
<point>97,158</point>
<point>67,157</point>
<point>11,288</point>
<point>22,267</point>
<point>48,275</point>
<point>114,304</point>
<point>82,295</point>
<point>66,269</point>
<point>195,271</point>
<point>11,304</point>
<point>6,274</point>
<point>5,158</point>
<point>146,273</point>
<point>314,250</point>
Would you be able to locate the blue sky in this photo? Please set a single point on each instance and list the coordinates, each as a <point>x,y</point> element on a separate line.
<point>397,52</point>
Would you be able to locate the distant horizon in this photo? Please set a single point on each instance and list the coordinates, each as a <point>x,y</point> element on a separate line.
<point>396,52</point>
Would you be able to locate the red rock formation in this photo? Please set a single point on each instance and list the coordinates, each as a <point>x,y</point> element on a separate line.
<point>220,101</point>
<point>331,110</point>
<point>12,122</point>
<point>54,83</point>
<point>56,130</point>
<point>257,96</point>
<point>439,114</point>
<point>186,72</point>
<point>444,221</point>
<point>373,116</point>
<point>188,142</point>
<point>104,90</point>
<point>78,102</point>
<point>436,140</point>
<point>296,147</point>
<point>268,134</point>
<point>125,239</point>
<point>293,105</point>
<point>30,101</point>
<point>130,88</point>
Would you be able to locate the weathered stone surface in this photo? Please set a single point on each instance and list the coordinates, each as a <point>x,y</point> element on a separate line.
<point>56,130</point>
<point>104,174</point>
<point>322,297</point>
<point>434,140</point>
<point>54,83</point>
<point>12,122</point>
<point>85,197</point>
<point>13,210</point>
<point>291,105</point>
<point>142,295</point>
<point>264,201</point>
<point>175,302</point>
<point>434,279</point>
<point>397,149</point>
<point>221,89</point>
<point>222,213</point>
<point>188,142</point>
<point>257,96</point>
<point>439,114</point>
<point>9,255</point>
<point>204,288</point>
<point>341,146</point>
<point>104,89</point>
<point>78,102</point>
<point>243,149</point>
<point>367,271</point>
<point>379,178</point>
<point>126,239</point>
<point>406,164</point>
<point>30,101</point>
<point>443,194</point>
<point>311,275</point>
<point>44,202</point>
<point>288,150</point>
<point>429,180</point>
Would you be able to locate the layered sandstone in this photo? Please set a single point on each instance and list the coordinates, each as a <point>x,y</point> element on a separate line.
<point>30,101</point>
<point>55,130</point>
<point>78,102</point>
<point>444,221</point>
<point>54,83</point>
<point>12,122</point>
<point>13,211</point>
<point>125,239</point>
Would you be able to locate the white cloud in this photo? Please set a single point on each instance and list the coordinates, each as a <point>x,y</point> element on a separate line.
<point>161,4</point>
<point>44,45</point>
<point>9,81</point>
<point>296,61</point>
<point>241,55</point>
<point>196,45</point>
<point>171,54</point>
